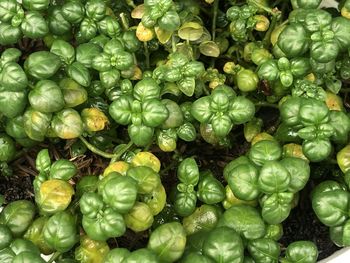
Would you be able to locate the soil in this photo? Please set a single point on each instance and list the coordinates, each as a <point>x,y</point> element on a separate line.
<point>16,187</point>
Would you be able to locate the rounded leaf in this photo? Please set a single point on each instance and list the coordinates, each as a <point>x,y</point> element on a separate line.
<point>317,150</point>
<point>293,40</point>
<point>299,171</point>
<point>147,179</point>
<point>46,97</point>
<point>120,193</point>
<point>243,181</point>
<point>168,241</point>
<point>63,169</point>
<point>241,110</point>
<point>67,124</point>
<point>42,64</point>
<point>139,218</point>
<point>264,151</point>
<point>264,250</point>
<point>245,220</point>
<point>305,251</point>
<point>204,218</point>
<point>60,232</point>
<point>18,216</point>
<point>7,148</point>
<point>224,245</point>
<point>273,178</point>
<point>54,196</point>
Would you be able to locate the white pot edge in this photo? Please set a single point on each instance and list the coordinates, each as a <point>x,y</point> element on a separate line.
<point>340,256</point>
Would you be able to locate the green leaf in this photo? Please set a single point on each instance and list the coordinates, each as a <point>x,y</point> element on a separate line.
<point>46,97</point>
<point>34,25</point>
<point>13,78</point>
<point>79,73</point>
<point>168,241</point>
<point>264,151</point>
<point>273,178</point>
<point>191,31</point>
<point>264,250</point>
<point>188,172</point>
<point>67,124</point>
<point>276,207</point>
<point>243,181</point>
<point>294,40</point>
<point>64,50</point>
<point>154,113</point>
<point>42,64</point>
<point>302,251</point>
<point>187,86</point>
<point>209,49</point>
<point>60,232</point>
<point>245,220</point>
<point>147,179</point>
<point>224,245</point>
<point>43,161</point>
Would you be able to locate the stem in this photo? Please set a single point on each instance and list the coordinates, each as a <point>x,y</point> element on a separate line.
<point>215,14</point>
<point>332,161</point>
<point>277,2</point>
<point>130,3</point>
<point>146,54</point>
<point>168,168</point>
<point>173,44</point>
<point>272,11</point>
<point>54,257</point>
<point>114,156</point>
<point>119,153</point>
<point>125,22</point>
<point>266,41</point>
<point>19,154</point>
<point>95,149</point>
<point>148,146</point>
<point>344,90</point>
<point>135,59</point>
<point>213,26</point>
<point>266,104</point>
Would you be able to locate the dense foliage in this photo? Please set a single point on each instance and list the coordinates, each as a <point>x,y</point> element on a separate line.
<point>132,80</point>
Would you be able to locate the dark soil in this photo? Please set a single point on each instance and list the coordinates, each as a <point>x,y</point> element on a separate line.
<point>16,187</point>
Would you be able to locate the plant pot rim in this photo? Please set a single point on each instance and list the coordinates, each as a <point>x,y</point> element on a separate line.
<point>340,256</point>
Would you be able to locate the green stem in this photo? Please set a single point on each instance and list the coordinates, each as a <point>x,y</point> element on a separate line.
<point>272,11</point>
<point>172,165</point>
<point>131,3</point>
<point>54,257</point>
<point>125,22</point>
<point>19,154</point>
<point>277,2</point>
<point>146,54</point>
<point>213,26</point>
<point>148,146</point>
<point>114,156</point>
<point>173,44</point>
<point>119,153</point>
<point>345,90</point>
<point>332,161</point>
<point>266,104</point>
<point>95,149</point>
<point>215,14</point>
<point>266,41</point>
<point>135,59</point>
